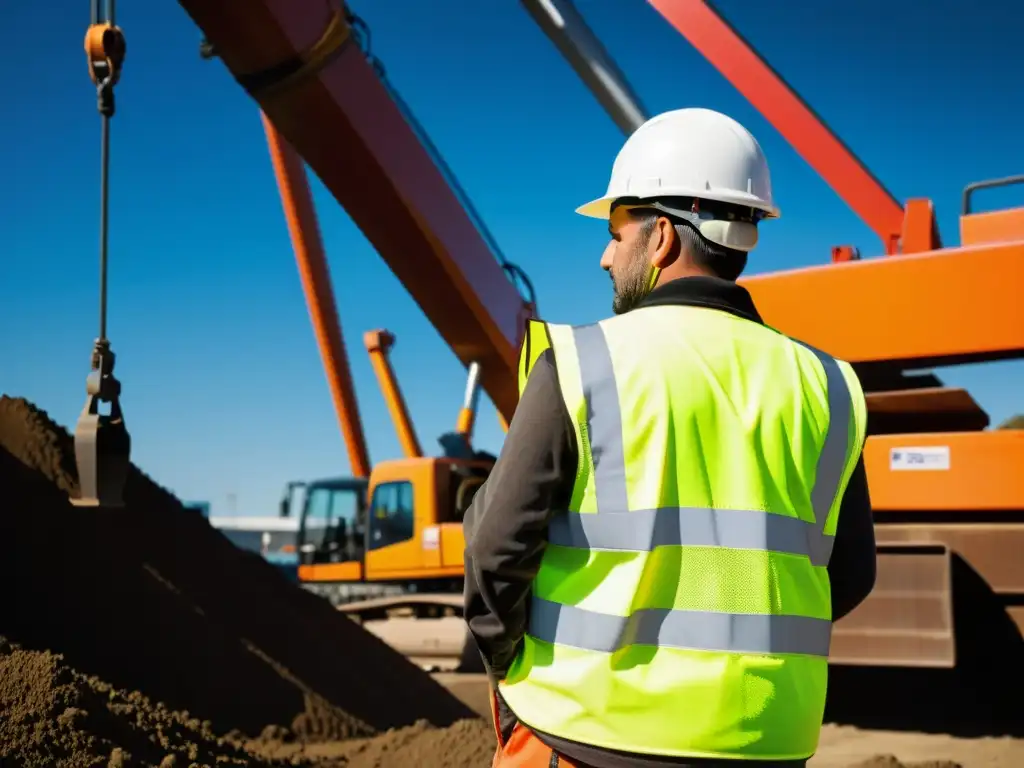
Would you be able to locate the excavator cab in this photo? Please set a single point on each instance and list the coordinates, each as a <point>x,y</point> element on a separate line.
<point>404,525</point>
<point>415,517</point>
<point>332,527</point>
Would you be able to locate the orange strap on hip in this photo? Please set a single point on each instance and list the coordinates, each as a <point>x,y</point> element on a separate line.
<point>525,750</point>
<point>495,718</point>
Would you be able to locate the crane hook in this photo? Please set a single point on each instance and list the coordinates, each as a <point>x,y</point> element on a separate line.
<point>102,442</point>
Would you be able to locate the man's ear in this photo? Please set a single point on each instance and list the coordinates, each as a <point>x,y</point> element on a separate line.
<point>665,244</point>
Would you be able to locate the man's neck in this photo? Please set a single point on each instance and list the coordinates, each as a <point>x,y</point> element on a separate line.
<point>680,273</point>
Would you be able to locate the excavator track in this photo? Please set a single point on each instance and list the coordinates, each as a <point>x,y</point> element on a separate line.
<point>428,629</point>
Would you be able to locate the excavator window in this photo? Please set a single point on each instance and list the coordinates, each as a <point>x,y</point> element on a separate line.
<point>391,514</point>
<point>332,526</point>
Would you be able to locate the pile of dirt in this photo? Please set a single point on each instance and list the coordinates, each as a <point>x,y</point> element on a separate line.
<point>52,715</point>
<point>150,599</point>
<point>467,744</point>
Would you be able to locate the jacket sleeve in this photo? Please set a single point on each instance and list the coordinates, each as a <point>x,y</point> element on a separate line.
<point>853,565</point>
<point>506,525</point>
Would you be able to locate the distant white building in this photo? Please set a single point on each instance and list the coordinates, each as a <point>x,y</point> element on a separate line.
<point>273,537</point>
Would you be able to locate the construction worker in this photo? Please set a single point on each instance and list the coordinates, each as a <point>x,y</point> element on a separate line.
<point>680,509</point>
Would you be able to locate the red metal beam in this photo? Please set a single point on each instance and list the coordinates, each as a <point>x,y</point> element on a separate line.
<point>316,284</point>
<point>741,65</point>
<point>345,124</point>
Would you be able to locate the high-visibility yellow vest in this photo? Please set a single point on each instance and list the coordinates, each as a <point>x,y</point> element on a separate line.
<point>683,604</point>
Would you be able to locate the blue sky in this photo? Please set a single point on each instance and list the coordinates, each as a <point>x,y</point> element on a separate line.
<point>224,391</point>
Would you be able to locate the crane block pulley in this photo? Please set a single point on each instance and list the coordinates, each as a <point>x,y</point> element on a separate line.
<point>105,49</point>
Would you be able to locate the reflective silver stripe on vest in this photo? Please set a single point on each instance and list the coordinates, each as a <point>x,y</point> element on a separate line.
<point>643,530</point>
<point>604,418</point>
<point>615,527</point>
<point>665,628</point>
<point>832,459</point>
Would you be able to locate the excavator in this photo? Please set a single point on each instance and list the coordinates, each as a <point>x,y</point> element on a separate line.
<point>946,491</point>
<point>400,530</point>
<point>387,550</point>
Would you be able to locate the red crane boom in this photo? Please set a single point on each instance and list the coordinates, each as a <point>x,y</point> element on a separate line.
<point>302,61</point>
<point>764,88</point>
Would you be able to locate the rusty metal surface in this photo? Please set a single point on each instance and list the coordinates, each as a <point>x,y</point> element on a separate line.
<point>907,620</point>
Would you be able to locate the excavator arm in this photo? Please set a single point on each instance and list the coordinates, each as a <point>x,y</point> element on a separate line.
<point>300,214</point>
<point>378,344</point>
<point>304,62</point>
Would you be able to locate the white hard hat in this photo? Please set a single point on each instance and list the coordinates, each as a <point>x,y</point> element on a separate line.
<point>693,153</point>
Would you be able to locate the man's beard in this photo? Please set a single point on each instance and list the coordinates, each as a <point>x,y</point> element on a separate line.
<point>630,284</point>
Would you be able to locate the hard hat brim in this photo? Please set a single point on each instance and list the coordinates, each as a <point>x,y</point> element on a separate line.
<point>597,209</point>
<point>601,208</point>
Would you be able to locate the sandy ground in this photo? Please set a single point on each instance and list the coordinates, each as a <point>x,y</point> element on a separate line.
<point>841,746</point>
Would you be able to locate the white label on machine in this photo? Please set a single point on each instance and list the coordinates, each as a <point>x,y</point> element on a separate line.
<point>924,458</point>
<point>431,537</point>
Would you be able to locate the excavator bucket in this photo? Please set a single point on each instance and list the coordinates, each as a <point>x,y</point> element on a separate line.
<point>102,442</point>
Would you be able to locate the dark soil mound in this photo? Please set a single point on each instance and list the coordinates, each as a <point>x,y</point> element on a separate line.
<point>54,717</point>
<point>464,745</point>
<point>151,599</point>
<point>467,744</point>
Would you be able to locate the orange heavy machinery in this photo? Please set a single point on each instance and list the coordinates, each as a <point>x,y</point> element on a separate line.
<point>399,531</point>
<point>948,494</point>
